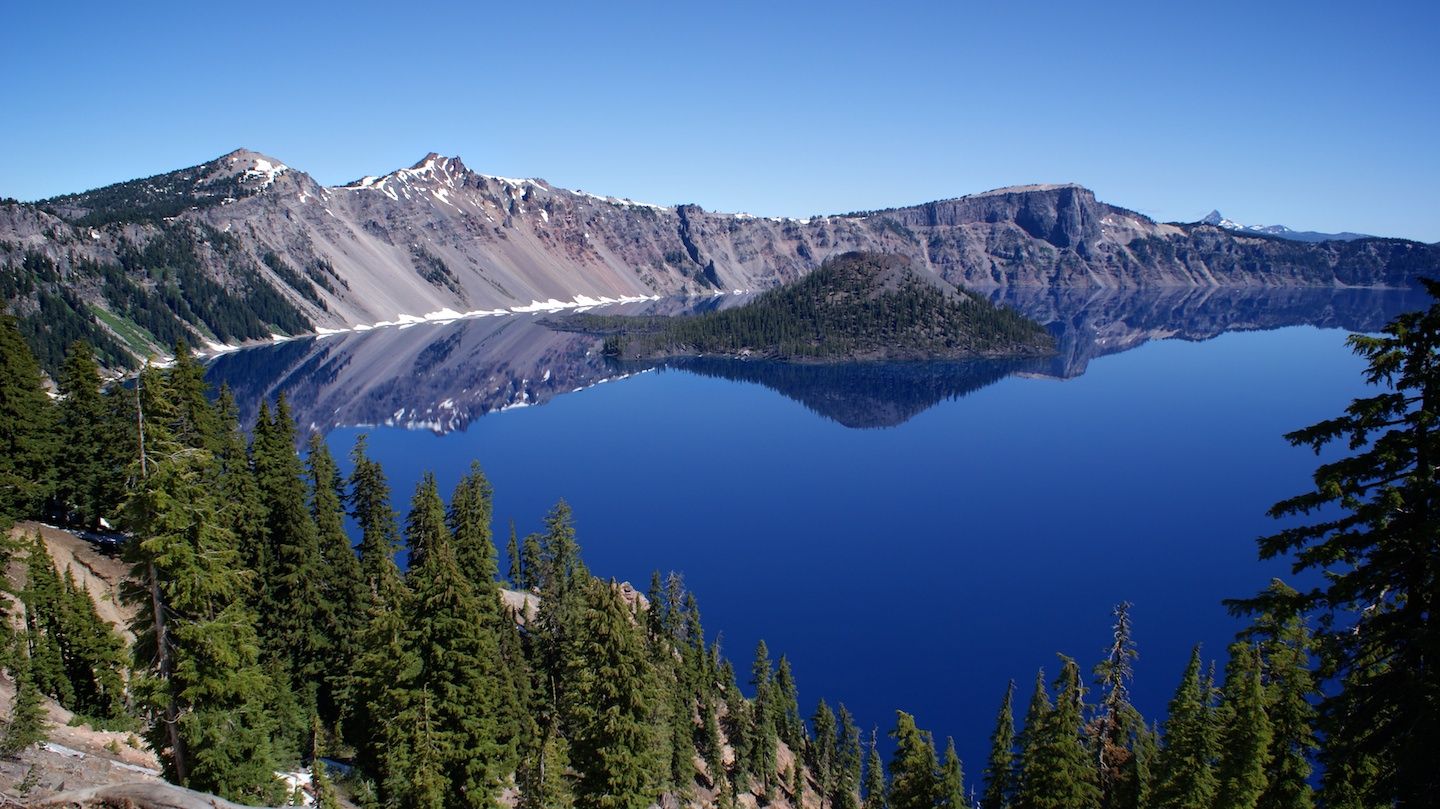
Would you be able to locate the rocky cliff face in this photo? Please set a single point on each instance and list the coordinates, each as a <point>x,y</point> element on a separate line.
<point>438,237</point>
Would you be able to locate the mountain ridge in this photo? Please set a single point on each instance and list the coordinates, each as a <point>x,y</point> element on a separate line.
<point>180,253</point>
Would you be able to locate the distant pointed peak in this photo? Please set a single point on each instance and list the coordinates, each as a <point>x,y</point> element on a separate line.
<point>1212,218</point>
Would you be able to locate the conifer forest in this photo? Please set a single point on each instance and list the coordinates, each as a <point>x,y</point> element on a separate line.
<point>267,638</point>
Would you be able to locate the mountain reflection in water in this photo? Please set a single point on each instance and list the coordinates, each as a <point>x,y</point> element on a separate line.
<point>441,377</point>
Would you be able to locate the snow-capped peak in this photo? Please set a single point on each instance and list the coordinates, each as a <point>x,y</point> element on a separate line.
<point>1216,219</point>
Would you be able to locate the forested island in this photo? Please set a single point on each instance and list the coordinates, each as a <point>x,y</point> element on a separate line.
<point>855,307</point>
<point>262,639</point>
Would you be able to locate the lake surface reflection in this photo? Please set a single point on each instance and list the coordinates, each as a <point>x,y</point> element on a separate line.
<point>994,520</point>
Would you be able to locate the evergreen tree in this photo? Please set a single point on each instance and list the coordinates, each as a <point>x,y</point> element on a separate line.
<point>848,759</point>
<point>458,678</point>
<point>531,562</point>
<point>379,539</point>
<point>1000,768</point>
<point>94,655</point>
<point>763,747</point>
<point>542,776</point>
<point>1379,598</point>
<point>914,777</point>
<point>512,557</point>
<point>1245,749</point>
<point>82,470</point>
<point>198,675</point>
<point>27,724</point>
<point>1032,733</point>
<point>1186,774</point>
<point>614,746</point>
<point>44,633</point>
<point>1058,770</point>
<point>822,751</point>
<point>1285,646</point>
<point>875,790</point>
<point>791,726</point>
<point>425,524</point>
<point>295,609</point>
<point>194,421</point>
<point>342,585</point>
<point>952,779</point>
<point>1113,731</point>
<point>241,493</point>
<point>469,521</point>
<point>26,419</point>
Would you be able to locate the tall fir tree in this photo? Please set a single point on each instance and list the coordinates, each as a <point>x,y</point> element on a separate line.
<point>342,585</point>
<point>876,790</point>
<point>515,577</point>
<point>1058,771</point>
<point>1186,767</point>
<point>293,602</point>
<point>763,749</point>
<point>1291,692</point>
<point>1030,759</point>
<point>1376,513</point>
<point>787,698</point>
<point>1245,755</point>
<point>614,745</point>
<point>241,493</point>
<point>82,471</point>
<point>914,771</point>
<point>26,428</point>
<point>469,521</point>
<point>1113,731</point>
<point>952,779</point>
<point>848,761</point>
<point>379,538</point>
<point>821,756</point>
<point>1000,773</point>
<point>458,654</point>
<point>197,670</point>
<point>27,723</point>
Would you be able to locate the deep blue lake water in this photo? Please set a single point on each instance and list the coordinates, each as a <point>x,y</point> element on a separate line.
<point>974,522</point>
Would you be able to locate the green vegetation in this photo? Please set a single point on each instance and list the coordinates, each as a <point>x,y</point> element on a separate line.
<point>262,640</point>
<point>159,290</point>
<point>860,306</point>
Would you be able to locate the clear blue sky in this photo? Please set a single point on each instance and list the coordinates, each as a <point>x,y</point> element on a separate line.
<point>1316,115</point>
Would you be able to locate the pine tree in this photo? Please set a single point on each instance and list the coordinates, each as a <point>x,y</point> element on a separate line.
<point>952,779</point>
<point>241,493</point>
<point>26,428</point>
<point>531,561</point>
<point>459,661</point>
<point>1058,771</point>
<point>1245,748</point>
<point>791,726</point>
<point>763,747</point>
<point>94,655</point>
<point>1030,759</point>
<point>342,586</point>
<point>379,539</point>
<point>1000,767</point>
<point>194,421</point>
<point>875,789</point>
<point>515,576</point>
<point>469,522</point>
<point>294,603</point>
<point>1113,730</point>
<point>614,746</point>
<point>1285,646</point>
<point>914,777</point>
<point>848,759</point>
<point>1186,774</point>
<point>27,724</point>
<point>198,675</point>
<point>82,469</point>
<point>44,632</point>
<point>822,751</point>
<point>1378,600</point>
